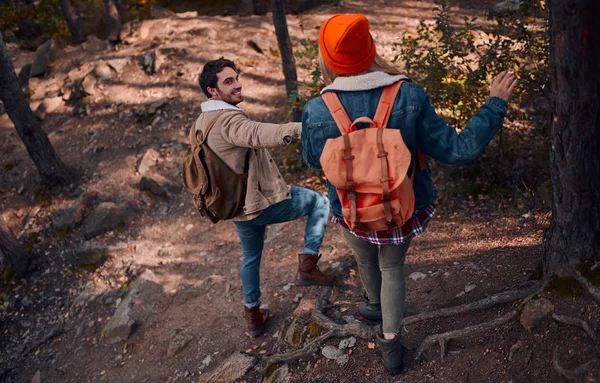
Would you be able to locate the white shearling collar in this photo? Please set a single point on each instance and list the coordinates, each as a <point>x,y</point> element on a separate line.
<point>212,105</point>
<point>365,81</point>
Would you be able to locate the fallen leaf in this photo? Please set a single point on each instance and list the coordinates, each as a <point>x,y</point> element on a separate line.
<point>189,227</point>
<point>343,309</point>
<point>371,345</point>
<point>248,351</point>
<point>262,352</point>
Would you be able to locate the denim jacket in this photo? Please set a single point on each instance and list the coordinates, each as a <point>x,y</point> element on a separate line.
<point>421,128</point>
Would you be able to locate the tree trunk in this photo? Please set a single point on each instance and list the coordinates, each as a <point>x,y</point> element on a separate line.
<point>574,232</point>
<point>51,168</point>
<point>246,7</point>
<point>285,48</point>
<point>72,21</point>
<point>114,20</point>
<point>14,253</point>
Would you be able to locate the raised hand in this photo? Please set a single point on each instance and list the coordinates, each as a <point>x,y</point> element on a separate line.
<point>503,85</point>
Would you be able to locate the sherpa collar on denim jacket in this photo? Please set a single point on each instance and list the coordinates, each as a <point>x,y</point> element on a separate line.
<point>365,81</point>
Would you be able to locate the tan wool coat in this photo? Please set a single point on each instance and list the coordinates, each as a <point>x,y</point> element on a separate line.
<point>233,135</point>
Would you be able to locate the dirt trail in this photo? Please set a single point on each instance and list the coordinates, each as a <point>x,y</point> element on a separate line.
<point>189,314</point>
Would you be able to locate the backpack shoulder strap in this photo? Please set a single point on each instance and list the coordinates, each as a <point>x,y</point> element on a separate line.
<point>386,103</point>
<point>343,122</point>
<point>197,136</point>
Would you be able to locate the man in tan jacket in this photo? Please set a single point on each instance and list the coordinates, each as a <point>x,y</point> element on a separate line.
<point>242,144</point>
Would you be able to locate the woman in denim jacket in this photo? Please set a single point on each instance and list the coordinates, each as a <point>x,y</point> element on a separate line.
<point>352,69</point>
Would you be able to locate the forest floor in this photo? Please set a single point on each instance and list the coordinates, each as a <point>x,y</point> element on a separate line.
<point>188,311</point>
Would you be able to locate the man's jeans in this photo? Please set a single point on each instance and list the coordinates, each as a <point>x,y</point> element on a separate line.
<point>303,202</point>
<point>381,270</point>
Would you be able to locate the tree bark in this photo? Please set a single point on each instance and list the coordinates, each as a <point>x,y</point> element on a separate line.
<point>246,7</point>
<point>285,48</point>
<point>51,168</point>
<point>72,21</point>
<point>114,20</point>
<point>14,253</point>
<point>574,232</point>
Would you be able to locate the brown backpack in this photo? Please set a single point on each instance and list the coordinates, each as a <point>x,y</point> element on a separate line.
<point>219,192</point>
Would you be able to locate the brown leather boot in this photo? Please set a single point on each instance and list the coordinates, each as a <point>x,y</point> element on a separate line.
<point>309,273</point>
<point>256,318</point>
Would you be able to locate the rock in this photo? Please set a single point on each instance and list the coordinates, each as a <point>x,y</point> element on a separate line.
<point>52,90</point>
<point>36,90</point>
<point>178,342</point>
<point>469,288</point>
<point>72,216</point>
<point>160,123</point>
<point>148,161</point>
<point>44,55</point>
<point>159,185</point>
<point>107,216</point>
<point>206,362</point>
<point>347,343</point>
<point>93,44</point>
<point>349,318</point>
<point>102,71</point>
<point>152,62</point>
<point>88,84</point>
<point>204,32</point>
<point>82,298</point>
<point>47,106</point>
<point>118,64</point>
<point>90,256</point>
<point>145,29</point>
<point>64,218</point>
<point>120,325</point>
<point>417,275</point>
<point>123,321</point>
<point>331,352</point>
<point>37,378</point>
<point>534,311</point>
<point>505,7</point>
<point>232,369</point>
<point>342,359</point>
<point>155,106</point>
<point>24,74</point>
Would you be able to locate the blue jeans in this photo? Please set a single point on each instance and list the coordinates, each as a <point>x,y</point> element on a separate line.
<point>303,202</point>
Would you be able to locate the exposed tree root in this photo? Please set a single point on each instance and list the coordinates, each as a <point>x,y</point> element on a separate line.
<point>443,338</point>
<point>575,322</point>
<point>357,329</point>
<point>496,299</point>
<point>593,290</point>
<point>576,373</point>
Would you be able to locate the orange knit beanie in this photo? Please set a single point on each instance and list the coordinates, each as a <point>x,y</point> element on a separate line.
<point>346,44</point>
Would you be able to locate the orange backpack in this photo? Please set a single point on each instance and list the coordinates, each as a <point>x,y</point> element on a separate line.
<point>372,199</point>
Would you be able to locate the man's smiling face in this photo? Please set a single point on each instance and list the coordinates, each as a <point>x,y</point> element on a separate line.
<point>229,88</point>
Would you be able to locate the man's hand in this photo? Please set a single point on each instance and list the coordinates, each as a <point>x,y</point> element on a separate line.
<point>503,85</point>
